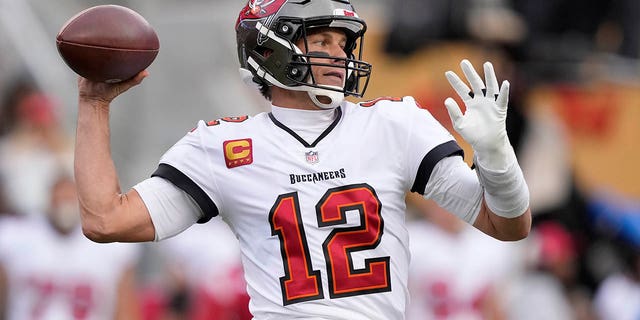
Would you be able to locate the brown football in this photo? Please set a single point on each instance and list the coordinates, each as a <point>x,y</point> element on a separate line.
<point>107,43</point>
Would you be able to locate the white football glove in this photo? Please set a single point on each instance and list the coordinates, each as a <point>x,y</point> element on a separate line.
<point>483,125</point>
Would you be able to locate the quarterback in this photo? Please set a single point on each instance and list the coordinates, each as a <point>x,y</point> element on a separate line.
<point>314,189</point>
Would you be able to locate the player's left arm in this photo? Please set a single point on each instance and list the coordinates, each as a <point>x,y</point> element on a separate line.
<point>504,212</point>
<point>127,307</point>
<point>502,228</point>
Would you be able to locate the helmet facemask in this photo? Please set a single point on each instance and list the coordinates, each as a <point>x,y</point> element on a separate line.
<point>356,72</point>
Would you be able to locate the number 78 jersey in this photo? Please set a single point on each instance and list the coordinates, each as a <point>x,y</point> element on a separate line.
<point>320,224</point>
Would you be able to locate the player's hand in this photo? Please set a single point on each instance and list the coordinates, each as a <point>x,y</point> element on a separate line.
<point>483,125</point>
<point>101,92</point>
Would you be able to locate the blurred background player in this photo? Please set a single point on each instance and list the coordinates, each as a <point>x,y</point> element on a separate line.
<point>208,280</point>
<point>33,144</point>
<point>456,271</point>
<point>618,297</point>
<point>52,271</point>
<point>547,278</point>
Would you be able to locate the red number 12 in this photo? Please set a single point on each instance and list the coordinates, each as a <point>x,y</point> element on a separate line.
<point>301,282</point>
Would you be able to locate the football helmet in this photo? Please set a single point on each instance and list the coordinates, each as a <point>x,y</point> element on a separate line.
<point>267,32</point>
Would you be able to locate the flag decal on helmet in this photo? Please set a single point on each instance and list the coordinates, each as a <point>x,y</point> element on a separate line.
<point>344,12</point>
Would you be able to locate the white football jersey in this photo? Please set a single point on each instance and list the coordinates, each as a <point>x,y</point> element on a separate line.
<point>320,223</point>
<point>59,277</point>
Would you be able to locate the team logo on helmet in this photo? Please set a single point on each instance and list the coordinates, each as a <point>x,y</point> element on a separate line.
<point>257,9</point>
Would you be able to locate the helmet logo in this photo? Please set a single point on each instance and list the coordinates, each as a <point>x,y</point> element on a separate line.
<point>257,9</point>
<point>256,6</point>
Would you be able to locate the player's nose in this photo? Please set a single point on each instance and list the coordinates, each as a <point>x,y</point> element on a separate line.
<point>338,51</point>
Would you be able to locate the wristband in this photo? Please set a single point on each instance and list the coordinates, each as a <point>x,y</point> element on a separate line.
<point>505,191</point>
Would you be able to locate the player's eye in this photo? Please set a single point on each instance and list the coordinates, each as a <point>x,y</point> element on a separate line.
<point>319,42</point>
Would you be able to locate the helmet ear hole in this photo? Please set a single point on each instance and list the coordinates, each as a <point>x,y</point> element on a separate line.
<point>285,29</point>
<point>297,72</point>
<point>264,52</point>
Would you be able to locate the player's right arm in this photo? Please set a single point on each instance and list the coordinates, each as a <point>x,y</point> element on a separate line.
<point>108,215</point>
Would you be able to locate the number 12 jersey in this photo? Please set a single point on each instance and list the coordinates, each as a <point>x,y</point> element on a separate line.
<point>320,223</point>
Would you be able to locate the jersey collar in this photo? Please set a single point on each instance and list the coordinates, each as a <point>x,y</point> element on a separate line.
<point>293,120</point>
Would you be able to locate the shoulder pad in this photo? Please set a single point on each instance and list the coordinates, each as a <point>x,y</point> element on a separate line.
<point>386,100</point>
<point>373,102</point>
<point>218,121</point>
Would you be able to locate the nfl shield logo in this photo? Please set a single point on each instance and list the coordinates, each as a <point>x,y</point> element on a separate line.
<point>312,157</point>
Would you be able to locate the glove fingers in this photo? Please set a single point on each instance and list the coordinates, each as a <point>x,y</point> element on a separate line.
<point>454,111</point>
<point>458,85</point>
<point>503,97</point>
<point>474,79</point>
<point>490,80</point>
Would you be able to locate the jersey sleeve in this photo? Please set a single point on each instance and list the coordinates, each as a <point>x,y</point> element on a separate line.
<point>171,209</point>
<point>428,143</point>
<point>187,166</point>
<point>455,187</point>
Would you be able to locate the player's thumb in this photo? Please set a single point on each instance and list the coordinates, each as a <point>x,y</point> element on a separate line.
<point>454,110</point>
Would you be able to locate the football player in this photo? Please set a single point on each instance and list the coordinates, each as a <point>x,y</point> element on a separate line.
<point>314,189</point>
<point>50,270</point>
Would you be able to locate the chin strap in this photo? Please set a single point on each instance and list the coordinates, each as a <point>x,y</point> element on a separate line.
<point>335,97</point>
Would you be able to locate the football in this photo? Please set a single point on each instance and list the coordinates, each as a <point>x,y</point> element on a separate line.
<point>107,43</point>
